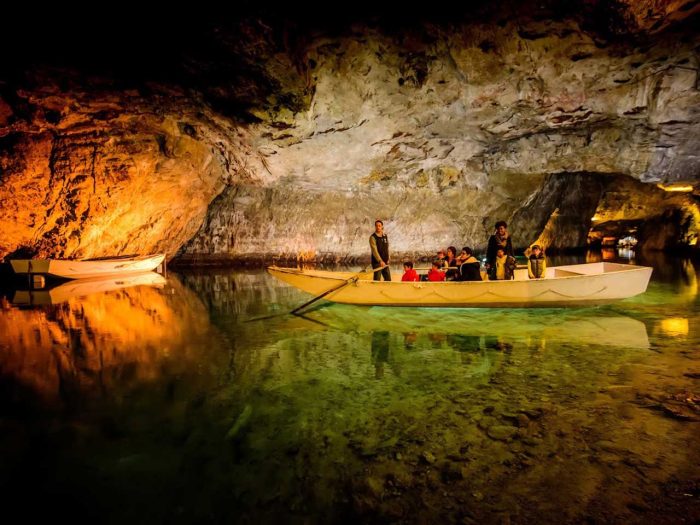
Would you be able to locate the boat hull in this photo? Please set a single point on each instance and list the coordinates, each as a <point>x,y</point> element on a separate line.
<point>85,269</point>
<point>574,285</point>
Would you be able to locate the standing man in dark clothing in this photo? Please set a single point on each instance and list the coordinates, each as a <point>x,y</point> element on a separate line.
<point>379,243</point>
<point>500,239</point>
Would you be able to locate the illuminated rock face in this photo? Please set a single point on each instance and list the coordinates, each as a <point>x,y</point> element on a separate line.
<point>442,137</point>
<point>439,130</point>
<point>112,174</point>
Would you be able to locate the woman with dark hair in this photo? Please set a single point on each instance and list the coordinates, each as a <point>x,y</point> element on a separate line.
<point>452,264</point>
<point>470,269</point>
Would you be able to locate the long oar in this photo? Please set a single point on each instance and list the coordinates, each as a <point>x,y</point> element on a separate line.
<point>346,282</point>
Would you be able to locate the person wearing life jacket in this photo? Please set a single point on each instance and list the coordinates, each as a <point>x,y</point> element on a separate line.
<point>505,265</point>
<point>500,239</point>
<point>536,263</point>
<point>409,274</point>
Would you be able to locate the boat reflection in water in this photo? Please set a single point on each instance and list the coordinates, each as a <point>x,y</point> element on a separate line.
<point>581,327</point>
<point>82,287</point>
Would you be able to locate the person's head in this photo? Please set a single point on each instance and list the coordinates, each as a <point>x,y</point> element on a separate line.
<point>466,252</point>
<point>535,249</point>
<point>441,253</point>
<point>378,226</point>
<point>500,252</point>
<point>452,252</point>
<point>436,265</point>
<point>408,265</point>
<point>501,227</point>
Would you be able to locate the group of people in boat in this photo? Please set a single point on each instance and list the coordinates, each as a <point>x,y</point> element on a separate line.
<point>450,266</point>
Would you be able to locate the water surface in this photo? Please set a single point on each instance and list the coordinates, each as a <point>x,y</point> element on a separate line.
<point>199,399</point>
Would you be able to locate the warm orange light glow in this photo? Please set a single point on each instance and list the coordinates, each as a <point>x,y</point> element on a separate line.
<point>675,187</point>
<point>96,338</point>
<point>675,326</point>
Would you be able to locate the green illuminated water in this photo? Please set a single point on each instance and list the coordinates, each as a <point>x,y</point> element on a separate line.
<point>177,404</point>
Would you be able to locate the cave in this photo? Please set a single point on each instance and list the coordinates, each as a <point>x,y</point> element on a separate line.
<point>614,233</point>
<point>440,126</point>
<point>278,134</point>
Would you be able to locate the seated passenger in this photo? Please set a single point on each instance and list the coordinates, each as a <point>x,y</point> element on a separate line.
<point>470,268</point>
<point>536,263</point>
<point>441,258</point>
<point>435,274</point>
<point>452,264</point>
<point>505,265</point>
<point>409,274</point>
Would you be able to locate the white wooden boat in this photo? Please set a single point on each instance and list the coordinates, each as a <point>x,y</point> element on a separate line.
<point>572,285</point>
<point>83,287</point>
<point>87,268</point>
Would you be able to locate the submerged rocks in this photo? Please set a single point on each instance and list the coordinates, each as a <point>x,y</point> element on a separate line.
<point>501,432</point>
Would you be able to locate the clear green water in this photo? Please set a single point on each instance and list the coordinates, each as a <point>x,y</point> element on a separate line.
<point>179,405</point>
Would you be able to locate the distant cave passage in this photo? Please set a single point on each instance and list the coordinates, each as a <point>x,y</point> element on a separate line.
<point>612,233</point>
<point>672,229</point>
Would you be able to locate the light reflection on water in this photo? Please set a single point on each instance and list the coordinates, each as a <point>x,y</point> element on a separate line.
<point>176,402</point>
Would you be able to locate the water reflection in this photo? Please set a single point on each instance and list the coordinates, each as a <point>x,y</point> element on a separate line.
<point>380,352</point>
<point>675,326</point>
<point>171,397</point>
<point>468,327</point>
<point>83,287</point>
<point>98,337</point>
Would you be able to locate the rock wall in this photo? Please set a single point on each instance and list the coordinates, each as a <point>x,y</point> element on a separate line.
<point>87,175</point>
<point>273,138</point>
<point>442,134</point>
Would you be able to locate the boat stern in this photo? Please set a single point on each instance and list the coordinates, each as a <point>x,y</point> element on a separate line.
<point>23,266</point>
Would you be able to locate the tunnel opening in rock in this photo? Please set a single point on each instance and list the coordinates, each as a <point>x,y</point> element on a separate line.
<point>614,233</point>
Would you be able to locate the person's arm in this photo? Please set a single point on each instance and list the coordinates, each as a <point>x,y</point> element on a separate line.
<point>375,252</point>
<point>529,269</point>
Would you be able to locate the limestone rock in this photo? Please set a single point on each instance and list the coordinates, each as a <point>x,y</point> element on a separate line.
<point>275,137</point>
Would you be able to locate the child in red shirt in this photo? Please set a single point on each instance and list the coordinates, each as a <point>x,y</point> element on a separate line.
<point>409,274</point>
<point>435,274</point>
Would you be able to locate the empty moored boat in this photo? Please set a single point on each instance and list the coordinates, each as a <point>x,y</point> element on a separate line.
<point>87,268</point>
<point>572,285</point>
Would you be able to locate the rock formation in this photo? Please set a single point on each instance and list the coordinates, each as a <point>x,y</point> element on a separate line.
<point>271,137</point>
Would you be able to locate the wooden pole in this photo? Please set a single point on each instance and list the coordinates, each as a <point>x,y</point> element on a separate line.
<point>350,280</point>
